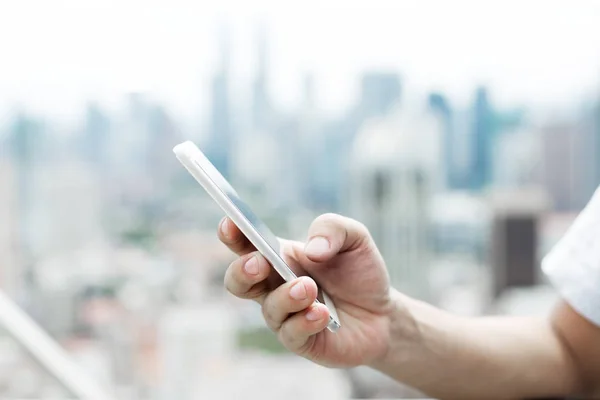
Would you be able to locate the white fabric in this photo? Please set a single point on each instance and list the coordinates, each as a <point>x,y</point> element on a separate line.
<point>573,265</point>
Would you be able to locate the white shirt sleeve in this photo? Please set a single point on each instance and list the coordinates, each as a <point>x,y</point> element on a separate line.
<point>573,265</point>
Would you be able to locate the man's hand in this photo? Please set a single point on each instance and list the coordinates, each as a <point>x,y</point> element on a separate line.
<point>443,355</point>
<point>341,256</point>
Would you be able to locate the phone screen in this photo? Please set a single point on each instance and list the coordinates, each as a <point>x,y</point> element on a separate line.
<point>261,228</point>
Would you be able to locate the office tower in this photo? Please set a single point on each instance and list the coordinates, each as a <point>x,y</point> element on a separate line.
<point>9,277</point>
<point>483,140</point>
<point>441,106</point>
<point>96,133</point>
<point>380,92</point>
<point>568,163</point>
<point>588,155</point>
<point>221,130</point>
<point>392,178</point>
<point>261,102</point>
<point>515,238</point>
<point>66,211</point>
<point>162,136</point>
<point>379,95</point>
<point>516,159</point>
<point>26,140</point>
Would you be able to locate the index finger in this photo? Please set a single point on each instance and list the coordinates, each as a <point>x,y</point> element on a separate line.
<point>233,238</point>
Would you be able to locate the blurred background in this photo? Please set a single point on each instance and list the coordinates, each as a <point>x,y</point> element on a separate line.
<point>465,135</point>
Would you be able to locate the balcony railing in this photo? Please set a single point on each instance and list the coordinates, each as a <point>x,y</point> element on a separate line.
<point>48,353</point>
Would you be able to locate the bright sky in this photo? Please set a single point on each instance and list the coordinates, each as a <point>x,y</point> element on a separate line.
<point>55,54</point>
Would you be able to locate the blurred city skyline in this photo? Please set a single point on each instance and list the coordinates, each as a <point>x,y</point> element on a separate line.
<point>465,136</point>
<point>101,51</point>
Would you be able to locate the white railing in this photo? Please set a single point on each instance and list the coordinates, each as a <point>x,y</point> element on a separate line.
<point>47,352</point>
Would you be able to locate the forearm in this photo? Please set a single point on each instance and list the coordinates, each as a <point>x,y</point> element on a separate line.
<point>447,356</point>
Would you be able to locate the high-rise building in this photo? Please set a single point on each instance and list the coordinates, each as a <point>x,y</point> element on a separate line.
<point>380,92</point>
<point>569,163</point>
<point>516,159</point>
<point>483,140</point>
<point>515,237</point>
<point>163,135</point>
<point>66,210</point>
<point>221,128</point>
<point>261,102</point>
<point>588,161</point>
<point>393,176</point>
<point>379,95</point>
<point>453,174</point>
<point>27,141</point>
<point>9,277</point>
<point>96,136</point>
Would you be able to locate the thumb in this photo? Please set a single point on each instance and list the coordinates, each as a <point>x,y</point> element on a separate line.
<point>331,234</point>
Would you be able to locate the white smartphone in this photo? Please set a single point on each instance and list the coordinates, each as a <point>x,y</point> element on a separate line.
<point>200,167</point>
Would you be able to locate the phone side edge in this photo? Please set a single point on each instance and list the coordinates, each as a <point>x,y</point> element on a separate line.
<point>185,154</point>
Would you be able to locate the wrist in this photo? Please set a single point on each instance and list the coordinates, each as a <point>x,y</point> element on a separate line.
<point>403,335</point>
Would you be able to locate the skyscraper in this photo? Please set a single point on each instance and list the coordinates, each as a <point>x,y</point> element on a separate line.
<point>514,246</point>
<point>26,140</point>
<point>261,102</point>
<point>392,169</point>
<point>453,177</point>
<point>9,278</point>
<point>379,95</point>
<point>483,139</point>
<point>221,125</point>
<point>569,162</point>
<point>96,136</point>
<point>380,91</point>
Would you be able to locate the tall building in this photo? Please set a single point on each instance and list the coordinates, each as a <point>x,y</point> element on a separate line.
<point>379,95</point>
<point>9,263</point>
<point>392,178</point>
<point>515,237</point>
<point>95,136</point>
<point>380,92</point>
<point>128,181</point>
<point>568,163</point>
<point>516,159</point>
<point>454,176</point>
<point>221,128</point>
<point>66,210</point>
<point>589,158</point>
<point>261,102</point>
<point>483,140</point>
<point>163,135</point>
<point>27,141</point>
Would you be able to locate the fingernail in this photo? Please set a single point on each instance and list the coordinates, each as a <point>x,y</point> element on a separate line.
<point>313,314</point>
<point>298,291</point>
<point>317,246</point>
<point>225,227</point>
<point>251,266</point>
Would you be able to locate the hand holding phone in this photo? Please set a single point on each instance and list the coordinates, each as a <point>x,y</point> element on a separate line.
<point>240,213</point>
<point>340,257</point>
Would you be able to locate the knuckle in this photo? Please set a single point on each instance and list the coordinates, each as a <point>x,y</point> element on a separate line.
<point>361,228</point>
<point>269,316</point>
<point>328,218</point>
<point>234,278</point>
<point>230,282</point>
<point>292,337</point>
<point>286,336</point>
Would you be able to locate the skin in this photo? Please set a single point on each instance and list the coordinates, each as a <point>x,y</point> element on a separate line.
<point>443,355</point>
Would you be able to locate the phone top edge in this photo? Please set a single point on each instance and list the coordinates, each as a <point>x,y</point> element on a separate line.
<point>187,152</point>
<point>185,149</point>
